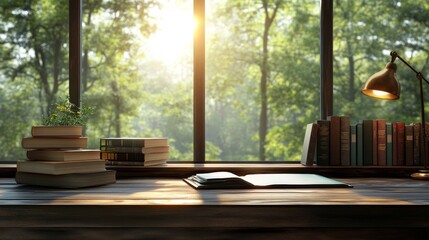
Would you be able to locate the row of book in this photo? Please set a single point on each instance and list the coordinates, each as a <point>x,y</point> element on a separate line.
<point>375,142</point>
<point>134,151</point>
<point>57,156</point>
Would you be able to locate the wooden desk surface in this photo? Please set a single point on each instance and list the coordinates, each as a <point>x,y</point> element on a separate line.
<point>394,206</point>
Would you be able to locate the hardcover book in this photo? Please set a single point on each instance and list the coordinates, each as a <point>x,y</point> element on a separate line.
<point>359,144</point>
<point>136,163</point>
<point>322,146</point>
<point>409,145</point>
<point>353,145</point>
<point>57,131</point>
<point>220,180</point>
<point>401,143</point>
<point>57,168</point>
<point>133,142</point>
<point>50,142</point>
<point>367,142</point>
<point>381,143</point>
<point>74,180</point>
<point>63,155</point>
<point>389,144</point>
<point>137,157</point>
<point>335,141</point>
<point>144,150</point>
<point>395,144</point>
<point>416,143</point>
<point>309,146</point>
<point>345,141</point>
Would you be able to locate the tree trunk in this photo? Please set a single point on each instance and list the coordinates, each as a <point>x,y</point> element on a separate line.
<point>264,67</point>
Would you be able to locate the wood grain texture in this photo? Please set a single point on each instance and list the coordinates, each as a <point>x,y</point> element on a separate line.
<point>164,208</point>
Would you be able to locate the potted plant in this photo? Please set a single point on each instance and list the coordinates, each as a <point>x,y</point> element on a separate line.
<point>63,119</point>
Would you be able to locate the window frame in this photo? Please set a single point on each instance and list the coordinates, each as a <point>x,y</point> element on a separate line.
<point>326,66</point>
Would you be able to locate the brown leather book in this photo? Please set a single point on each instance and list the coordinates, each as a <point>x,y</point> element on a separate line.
<point>381,143</point>
<point>409,145</point>
<point>401,143</point>
<point>394,144</point>
<point>335,141</point>
<point>345,141</point>
<point>416,143</point>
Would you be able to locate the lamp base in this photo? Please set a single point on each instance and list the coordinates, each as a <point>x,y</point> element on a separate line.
<point>421,175</point>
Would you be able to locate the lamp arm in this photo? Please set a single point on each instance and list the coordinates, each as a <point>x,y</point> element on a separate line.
<point>419,74</point>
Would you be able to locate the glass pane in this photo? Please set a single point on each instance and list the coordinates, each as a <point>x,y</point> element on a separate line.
<point>137,71</point>
<point>33,67</point>
<point>262,73</point>
<point>364,34</point>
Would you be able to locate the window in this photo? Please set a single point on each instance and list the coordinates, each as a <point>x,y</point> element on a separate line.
<point>260,84</point>
<point>364,34</point>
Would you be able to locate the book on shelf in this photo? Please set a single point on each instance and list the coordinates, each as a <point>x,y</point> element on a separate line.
<point>416,143</point>
<point>309,147</point>
<point>345,141</point>
<point>389,144</point>
<point>73,180</point>
<point>60,155</point>
<point>401,143</point>
<point>409,145</point>
<point>322,146</point>
<point>144,150</point>
<point>136,163</point>
<point>367,142</point>
<point>374,143</point>
<point>353,145</point>
<point>51,142</point>
<point>394,144</point>
<point>359,144</point>
<point>381,143</point>
<point>58,168</point>
<point>334,140</point>
<point>220,180</point>
<point>56,131</point>
<point>133,142</point>
<point>138,157</point>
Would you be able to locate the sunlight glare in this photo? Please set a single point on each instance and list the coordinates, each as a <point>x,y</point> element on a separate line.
<point>174,36</point>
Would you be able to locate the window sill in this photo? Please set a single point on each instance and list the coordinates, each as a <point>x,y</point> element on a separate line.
<point>180,170</point>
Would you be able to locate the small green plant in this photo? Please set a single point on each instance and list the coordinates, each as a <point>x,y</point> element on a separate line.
<point>65,113</point>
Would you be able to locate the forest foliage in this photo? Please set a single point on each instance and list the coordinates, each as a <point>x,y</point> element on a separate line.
<point>262,70</point>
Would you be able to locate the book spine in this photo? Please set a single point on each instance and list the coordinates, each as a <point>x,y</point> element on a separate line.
<point>409,145</point>
<point>374,143</point>
<point>353,145</point>
<point>345,141</point>
<point>113,156</point>
<point>367,142</point>
<point>335,141</point>
<point>322,149</point>
<point>416,141</point>
<point>359,143</point>
<point>389,145</point>
<point>395,144</point>
<point>309,146</point>
<point>401,143</point>
<point>381,143</point>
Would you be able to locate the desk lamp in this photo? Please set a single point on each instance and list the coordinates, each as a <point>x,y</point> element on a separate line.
<point>384,85</point>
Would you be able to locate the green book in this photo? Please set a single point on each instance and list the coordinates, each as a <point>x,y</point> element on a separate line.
<point>367,142</point>
<point>353,145</point>
<point>389,145</point>
<point>359,144</point>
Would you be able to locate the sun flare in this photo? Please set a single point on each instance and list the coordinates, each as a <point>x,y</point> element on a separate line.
<point>174,35</point>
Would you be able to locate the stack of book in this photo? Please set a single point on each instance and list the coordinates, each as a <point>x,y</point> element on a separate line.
<point>134,151</point>
<point>57,156</point>
<point>372,142</point>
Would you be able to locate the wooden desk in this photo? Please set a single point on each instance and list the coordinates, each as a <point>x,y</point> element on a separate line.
<point>376,208</point>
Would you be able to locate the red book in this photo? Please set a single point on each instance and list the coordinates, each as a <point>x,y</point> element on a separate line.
<point>395,143</point>
<point>417,142</point>
<point>374,143</point>
<point>381,143</point>
<point>401,143</point>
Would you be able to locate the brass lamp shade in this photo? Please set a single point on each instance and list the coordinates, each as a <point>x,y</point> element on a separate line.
<point>383,85</point>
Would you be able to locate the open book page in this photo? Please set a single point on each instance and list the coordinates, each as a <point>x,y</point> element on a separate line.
<point>292,180</point>
<point>221,180</point>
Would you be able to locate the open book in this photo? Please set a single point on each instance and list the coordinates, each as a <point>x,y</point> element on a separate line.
<point>220,180</point>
